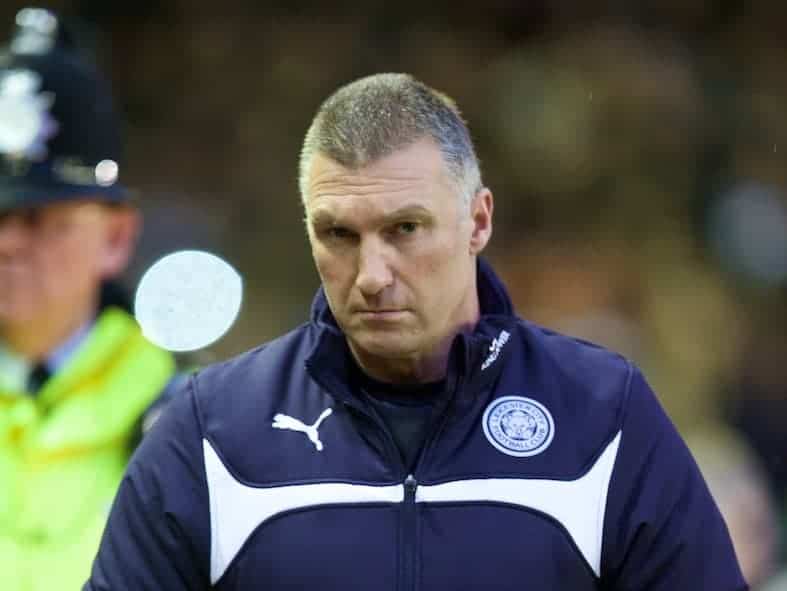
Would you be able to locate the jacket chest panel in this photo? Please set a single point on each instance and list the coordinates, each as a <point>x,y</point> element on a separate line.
<point>474,547</point>
<point>339,547</point>
<point>532,517</point>
<point>464,548</point>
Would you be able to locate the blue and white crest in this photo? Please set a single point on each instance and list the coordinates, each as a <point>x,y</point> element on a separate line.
<point>518,426</point>
<point>25,122</point>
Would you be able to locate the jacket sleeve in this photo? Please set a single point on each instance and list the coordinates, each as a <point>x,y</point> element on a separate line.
<point>158,532</point>
<point>662,529</point>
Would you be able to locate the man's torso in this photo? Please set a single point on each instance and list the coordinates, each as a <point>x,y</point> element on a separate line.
<point>509,489</point>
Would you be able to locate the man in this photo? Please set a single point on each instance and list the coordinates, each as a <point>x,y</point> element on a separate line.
<point>76,374</point>
<point>414,434</point>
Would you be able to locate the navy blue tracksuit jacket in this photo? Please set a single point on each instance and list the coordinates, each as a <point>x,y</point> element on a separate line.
<point>551,467</point>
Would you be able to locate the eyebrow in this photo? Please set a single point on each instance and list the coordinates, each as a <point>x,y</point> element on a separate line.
<point>324,218</point>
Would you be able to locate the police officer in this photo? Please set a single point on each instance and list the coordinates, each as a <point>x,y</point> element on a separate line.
<point>76,374</point>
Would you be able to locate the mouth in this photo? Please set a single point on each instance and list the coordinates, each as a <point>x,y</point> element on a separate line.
<point>383,315</point>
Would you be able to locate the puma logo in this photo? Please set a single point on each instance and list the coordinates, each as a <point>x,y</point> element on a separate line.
<point>281,421</point>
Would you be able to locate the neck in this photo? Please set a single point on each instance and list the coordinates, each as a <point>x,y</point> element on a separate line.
<point>35,339</point>
<point>407,370</point>
<point>428,365</point>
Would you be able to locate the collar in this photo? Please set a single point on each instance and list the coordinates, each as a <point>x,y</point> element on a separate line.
<point>61,354</point>
<point>15,369</point>
<point>475,358</point>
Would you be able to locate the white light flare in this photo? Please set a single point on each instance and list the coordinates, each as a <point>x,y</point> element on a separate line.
<point>188,300</point>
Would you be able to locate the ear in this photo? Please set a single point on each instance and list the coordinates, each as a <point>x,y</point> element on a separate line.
<point>481,216</point>
<point>123,225</point>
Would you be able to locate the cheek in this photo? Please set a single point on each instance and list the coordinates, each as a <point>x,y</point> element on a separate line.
<point>326,269</point>
<point>441,274</point>
<point>335,274</point>
<point>441,262</point>
<point>72,266</point>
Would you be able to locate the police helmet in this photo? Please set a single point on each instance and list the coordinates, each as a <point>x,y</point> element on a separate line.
<point>60,134</point>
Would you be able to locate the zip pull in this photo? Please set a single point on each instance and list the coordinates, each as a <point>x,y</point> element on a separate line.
<point>409,535</point>
<point>410,486</point>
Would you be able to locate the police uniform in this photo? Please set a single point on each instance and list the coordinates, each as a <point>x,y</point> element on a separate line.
<point>66,425</point>
<point>548,464</point>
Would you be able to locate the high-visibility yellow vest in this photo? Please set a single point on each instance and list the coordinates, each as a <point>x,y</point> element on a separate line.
<point>64,450</point>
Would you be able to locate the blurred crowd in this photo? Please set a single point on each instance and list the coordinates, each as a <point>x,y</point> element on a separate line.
<point>636,156</point>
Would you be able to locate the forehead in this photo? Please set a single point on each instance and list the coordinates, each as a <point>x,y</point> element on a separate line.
<point>75,207</point>
<point>413,176</point>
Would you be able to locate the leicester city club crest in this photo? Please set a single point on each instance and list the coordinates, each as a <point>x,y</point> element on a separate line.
<point>518,426</point>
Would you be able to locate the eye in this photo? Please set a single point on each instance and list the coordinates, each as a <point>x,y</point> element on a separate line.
<point>30,218</point>
<point>338,233</point>
<point>406,228</point>
<point>33,218</point>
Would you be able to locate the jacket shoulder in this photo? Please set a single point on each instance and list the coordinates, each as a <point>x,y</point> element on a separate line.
<point>578,366</point>
<point>585,386</point>
<point>234,400</point>
<point>245,379</point>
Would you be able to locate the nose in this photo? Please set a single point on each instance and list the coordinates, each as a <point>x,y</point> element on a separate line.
<point>374,271</point>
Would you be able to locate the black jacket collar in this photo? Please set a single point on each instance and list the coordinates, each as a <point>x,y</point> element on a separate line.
<point>475,358</point>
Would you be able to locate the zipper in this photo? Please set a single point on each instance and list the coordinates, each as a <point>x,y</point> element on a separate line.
<point>438,428</point>
<point>407,578</point>
<point>409,527</point>
<point>409,522</point>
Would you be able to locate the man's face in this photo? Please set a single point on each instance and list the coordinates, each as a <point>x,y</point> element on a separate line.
<point>53,258</point>
<point>395,250</point>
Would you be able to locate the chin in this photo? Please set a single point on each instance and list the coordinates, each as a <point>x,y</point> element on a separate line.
<point>386,345</point>
<point>23,300</point>
<point>12,312</point>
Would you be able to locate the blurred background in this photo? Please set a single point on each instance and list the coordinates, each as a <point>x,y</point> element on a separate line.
<point>636,151</point>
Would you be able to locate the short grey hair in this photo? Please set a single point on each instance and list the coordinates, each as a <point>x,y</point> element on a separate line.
<point>375,116</point>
